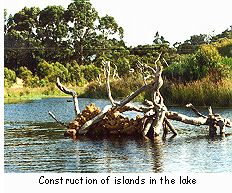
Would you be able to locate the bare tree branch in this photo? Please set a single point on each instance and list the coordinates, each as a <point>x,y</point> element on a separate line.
<point>186,119</point>
<point>53,116</point>
<point>158,58</point>
<point>107,69</point>
<point>70,92</point>
<point>195,110</point>
<point>168,123</point>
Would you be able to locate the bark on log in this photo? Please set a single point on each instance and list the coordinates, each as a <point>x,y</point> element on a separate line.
<point>195,110</point>
<point>84,128</point>
<point>147,127</point>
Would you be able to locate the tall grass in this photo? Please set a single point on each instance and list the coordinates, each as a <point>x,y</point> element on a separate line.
<point>202,93</point>
<point>120,88</point>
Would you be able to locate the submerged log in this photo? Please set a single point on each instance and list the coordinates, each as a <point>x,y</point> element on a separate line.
<point>156,117</point>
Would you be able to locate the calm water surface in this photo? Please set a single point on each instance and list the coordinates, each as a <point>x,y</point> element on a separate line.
<point>35,143</point>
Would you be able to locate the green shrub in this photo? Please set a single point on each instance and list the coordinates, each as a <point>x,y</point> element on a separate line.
<point>224,46</point>
<point>90,72</point>
<point>9,77</point>
<point>123,66</point>
<point>206,61</point>
<point>26,75</point>
<point>52,71</point>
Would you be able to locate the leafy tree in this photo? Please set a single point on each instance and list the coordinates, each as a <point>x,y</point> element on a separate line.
<point>26,20</point>
<point>82,17</point>
<point>8,22</point>
<point>50,71</point>
<point>52,31</point>
<point>159,40</point>
<point>206,61</point>
<point>90,72</point>
<point>27,76</point>
<point>109,38</point>
<point>123,66</point>
<point>20,42</point>
<point>76,75</point>
<point>224,46</point>
<point>225,34</point>
<point>208,56</point>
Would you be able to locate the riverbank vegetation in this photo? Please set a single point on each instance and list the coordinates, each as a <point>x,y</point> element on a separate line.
<point>41,45</point>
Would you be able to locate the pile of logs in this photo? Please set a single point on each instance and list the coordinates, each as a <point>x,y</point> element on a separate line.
<point>113,123</point>
<point>156,117</point>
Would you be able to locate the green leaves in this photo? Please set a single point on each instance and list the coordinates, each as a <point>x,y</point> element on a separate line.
<point>26,19</point>
<point>9,77</point>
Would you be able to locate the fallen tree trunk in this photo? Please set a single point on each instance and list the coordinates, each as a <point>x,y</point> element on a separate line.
<point>156,117</point>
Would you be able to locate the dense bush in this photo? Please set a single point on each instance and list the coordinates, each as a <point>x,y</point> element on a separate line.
<point>90,72</point>
<point>9,77</point>
<point>206,61</point>
<point>28,78</point>
<point>50,72</point>
<point>123,66</point>
<point>186,69</point>
<point>224,46</point>
<point>76,75</point>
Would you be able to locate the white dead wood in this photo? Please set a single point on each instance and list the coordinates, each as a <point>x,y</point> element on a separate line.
<point>70,92</point>
<point>54,117</point>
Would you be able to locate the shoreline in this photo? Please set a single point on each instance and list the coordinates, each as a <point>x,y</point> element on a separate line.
<point>200,93</point>
<point>15,100</point>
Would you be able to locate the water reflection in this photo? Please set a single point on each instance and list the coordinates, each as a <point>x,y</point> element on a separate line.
<point>119,155</point>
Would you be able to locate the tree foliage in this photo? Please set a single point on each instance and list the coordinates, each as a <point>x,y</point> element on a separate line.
<point>71,43</point>
<point>9,77</point>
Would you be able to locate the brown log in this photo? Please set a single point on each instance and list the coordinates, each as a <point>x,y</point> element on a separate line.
<point>133,95</point>
<point>96,119</point>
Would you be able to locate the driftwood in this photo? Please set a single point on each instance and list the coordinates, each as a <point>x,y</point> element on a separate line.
<point>70,92</point>
<point>156,117</point>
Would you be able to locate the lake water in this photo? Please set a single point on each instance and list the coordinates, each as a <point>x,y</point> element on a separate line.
<point>33,142</point>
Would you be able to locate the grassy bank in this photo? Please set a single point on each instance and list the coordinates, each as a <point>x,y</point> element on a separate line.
<point>25,93</point>
<point>200,93</point>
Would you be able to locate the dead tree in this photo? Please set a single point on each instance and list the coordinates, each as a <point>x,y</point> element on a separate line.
<point>156,116</point>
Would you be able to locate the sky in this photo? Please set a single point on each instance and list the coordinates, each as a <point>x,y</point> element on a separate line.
<point>176,20</point>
